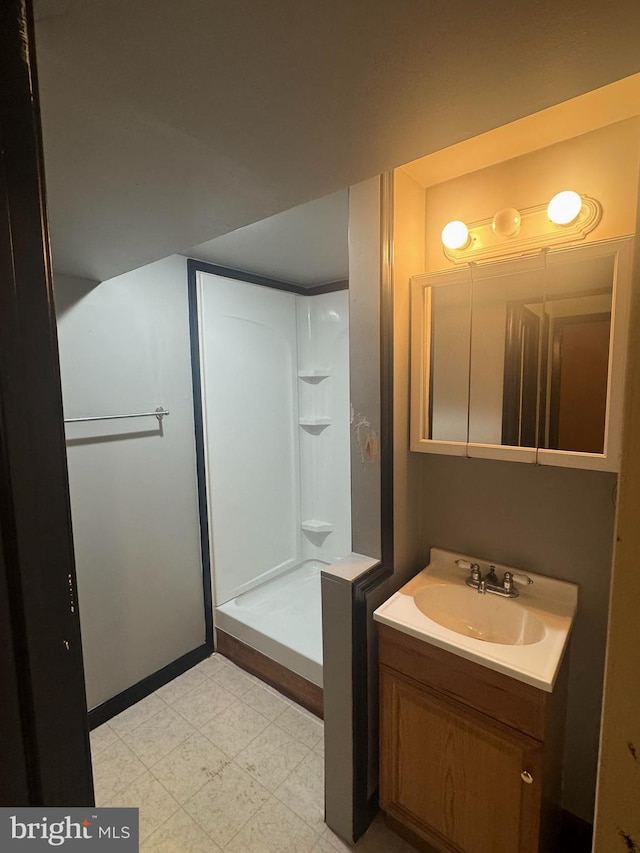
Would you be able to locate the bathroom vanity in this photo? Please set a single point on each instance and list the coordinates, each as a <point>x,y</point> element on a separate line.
<point>471,730</point>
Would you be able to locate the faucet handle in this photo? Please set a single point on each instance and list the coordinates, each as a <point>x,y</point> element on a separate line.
<point>474,568</point>
<point>476,575</point>
<point>508,581</point>
<point>523,579</point>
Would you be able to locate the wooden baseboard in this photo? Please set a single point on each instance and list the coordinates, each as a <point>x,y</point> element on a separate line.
<point>409,835</point>
<point>304,692</point>
<point>148,685</point>
<point>576,835</point>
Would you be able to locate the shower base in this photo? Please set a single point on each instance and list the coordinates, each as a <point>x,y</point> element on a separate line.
<point>282,619</point>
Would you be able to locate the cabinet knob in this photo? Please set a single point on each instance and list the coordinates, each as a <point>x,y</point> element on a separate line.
<point>526,777</point>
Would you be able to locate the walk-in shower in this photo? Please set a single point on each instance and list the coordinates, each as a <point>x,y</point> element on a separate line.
<point>274,376</point>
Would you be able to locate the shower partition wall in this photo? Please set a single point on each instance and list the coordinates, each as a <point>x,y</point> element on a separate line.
<point>275,391</point>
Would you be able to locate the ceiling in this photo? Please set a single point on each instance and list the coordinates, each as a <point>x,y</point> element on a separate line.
<point>168,123</point>
<point>306,245</point>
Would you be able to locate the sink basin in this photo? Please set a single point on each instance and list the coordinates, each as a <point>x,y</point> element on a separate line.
<point>524,638</point>
<point>483,617</point>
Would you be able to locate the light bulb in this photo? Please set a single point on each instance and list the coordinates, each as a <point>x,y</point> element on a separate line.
<point>506,222</point>
<point>455,235</point>
<point>564,207</point>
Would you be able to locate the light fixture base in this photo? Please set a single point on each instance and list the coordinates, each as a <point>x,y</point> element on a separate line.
<point>536,231</point>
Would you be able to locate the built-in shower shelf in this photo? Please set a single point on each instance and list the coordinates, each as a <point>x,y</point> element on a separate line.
<point>314,422</point>
<point>314,375</point>
<point>315,526</point>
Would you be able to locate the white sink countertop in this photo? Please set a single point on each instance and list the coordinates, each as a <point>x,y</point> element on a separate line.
<point>553,602</point>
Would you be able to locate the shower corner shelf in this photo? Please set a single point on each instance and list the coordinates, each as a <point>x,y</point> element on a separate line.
<point>314,422</point>
<point>314,376</point>
<point>315,526</point>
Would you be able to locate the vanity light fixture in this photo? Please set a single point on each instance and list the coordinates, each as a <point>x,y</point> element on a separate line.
<point>567,218</point>
<point>455,235</point>
<point>506,222</point>
<point>564,207</point>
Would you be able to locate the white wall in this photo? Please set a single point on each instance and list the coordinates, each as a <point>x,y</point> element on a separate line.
<point>124,347</point>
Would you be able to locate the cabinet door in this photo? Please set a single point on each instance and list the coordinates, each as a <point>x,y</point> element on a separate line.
<point>454,776</point>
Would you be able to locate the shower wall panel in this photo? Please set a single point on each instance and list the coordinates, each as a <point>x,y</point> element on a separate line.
<point>249,385</point>
<point>323,368</point>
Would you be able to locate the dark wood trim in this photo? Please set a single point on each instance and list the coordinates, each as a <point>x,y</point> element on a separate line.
<point>201,471</point>
<point>576,834</point>
<point>554,393</point>
<point>386,371</point>
<point>365,807</point>
<point>267,281</point>
<point>249,277</point>
<point>117,704</point>
<point>329,287</point>
<point>14,778</point>
<point>559,324</point>
<point>409,835</point>
<point>520,408</point>
<point>302,691</point>
<point>35,515</point>
<point>543,381</point>
<point>511,378</point>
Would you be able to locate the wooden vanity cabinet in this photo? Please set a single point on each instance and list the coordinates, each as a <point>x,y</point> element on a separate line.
<point>470,759</point>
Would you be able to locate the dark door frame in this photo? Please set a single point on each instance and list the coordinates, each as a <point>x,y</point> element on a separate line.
<point>45,742</point>
<point>560,323</point>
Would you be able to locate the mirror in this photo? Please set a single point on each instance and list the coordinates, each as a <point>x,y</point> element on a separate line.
<point>576,334</point>
<point>450,322</point>
<point>523,359</point>
<point>505,353</point>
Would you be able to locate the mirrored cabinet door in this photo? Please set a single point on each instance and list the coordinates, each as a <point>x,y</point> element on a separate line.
<point>524,359</point>
<point>450,329</point>
<point>507,310</point>
<point>577,335</point>
<point>582,386</point>
<point>441,338</point>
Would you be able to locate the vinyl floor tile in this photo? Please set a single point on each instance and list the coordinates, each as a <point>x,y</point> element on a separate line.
<point>225,804</point>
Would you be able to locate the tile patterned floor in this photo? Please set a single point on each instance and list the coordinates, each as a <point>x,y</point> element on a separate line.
<point>216,760</point>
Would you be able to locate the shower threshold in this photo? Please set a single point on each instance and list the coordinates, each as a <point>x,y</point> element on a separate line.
<point>281,618</point>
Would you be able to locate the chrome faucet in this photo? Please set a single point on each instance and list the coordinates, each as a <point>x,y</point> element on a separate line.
<point>491,583</point>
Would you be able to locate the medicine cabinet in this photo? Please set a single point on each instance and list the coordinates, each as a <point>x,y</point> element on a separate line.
<point>523,359</point>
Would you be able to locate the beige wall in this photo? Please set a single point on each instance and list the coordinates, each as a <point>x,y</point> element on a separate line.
<point>553,521</point>
<point>602,164</point>
<point>618,801</point>
<point>364,361</point>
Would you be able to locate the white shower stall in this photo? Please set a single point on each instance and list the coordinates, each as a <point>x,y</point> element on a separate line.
<point>274,369</point>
